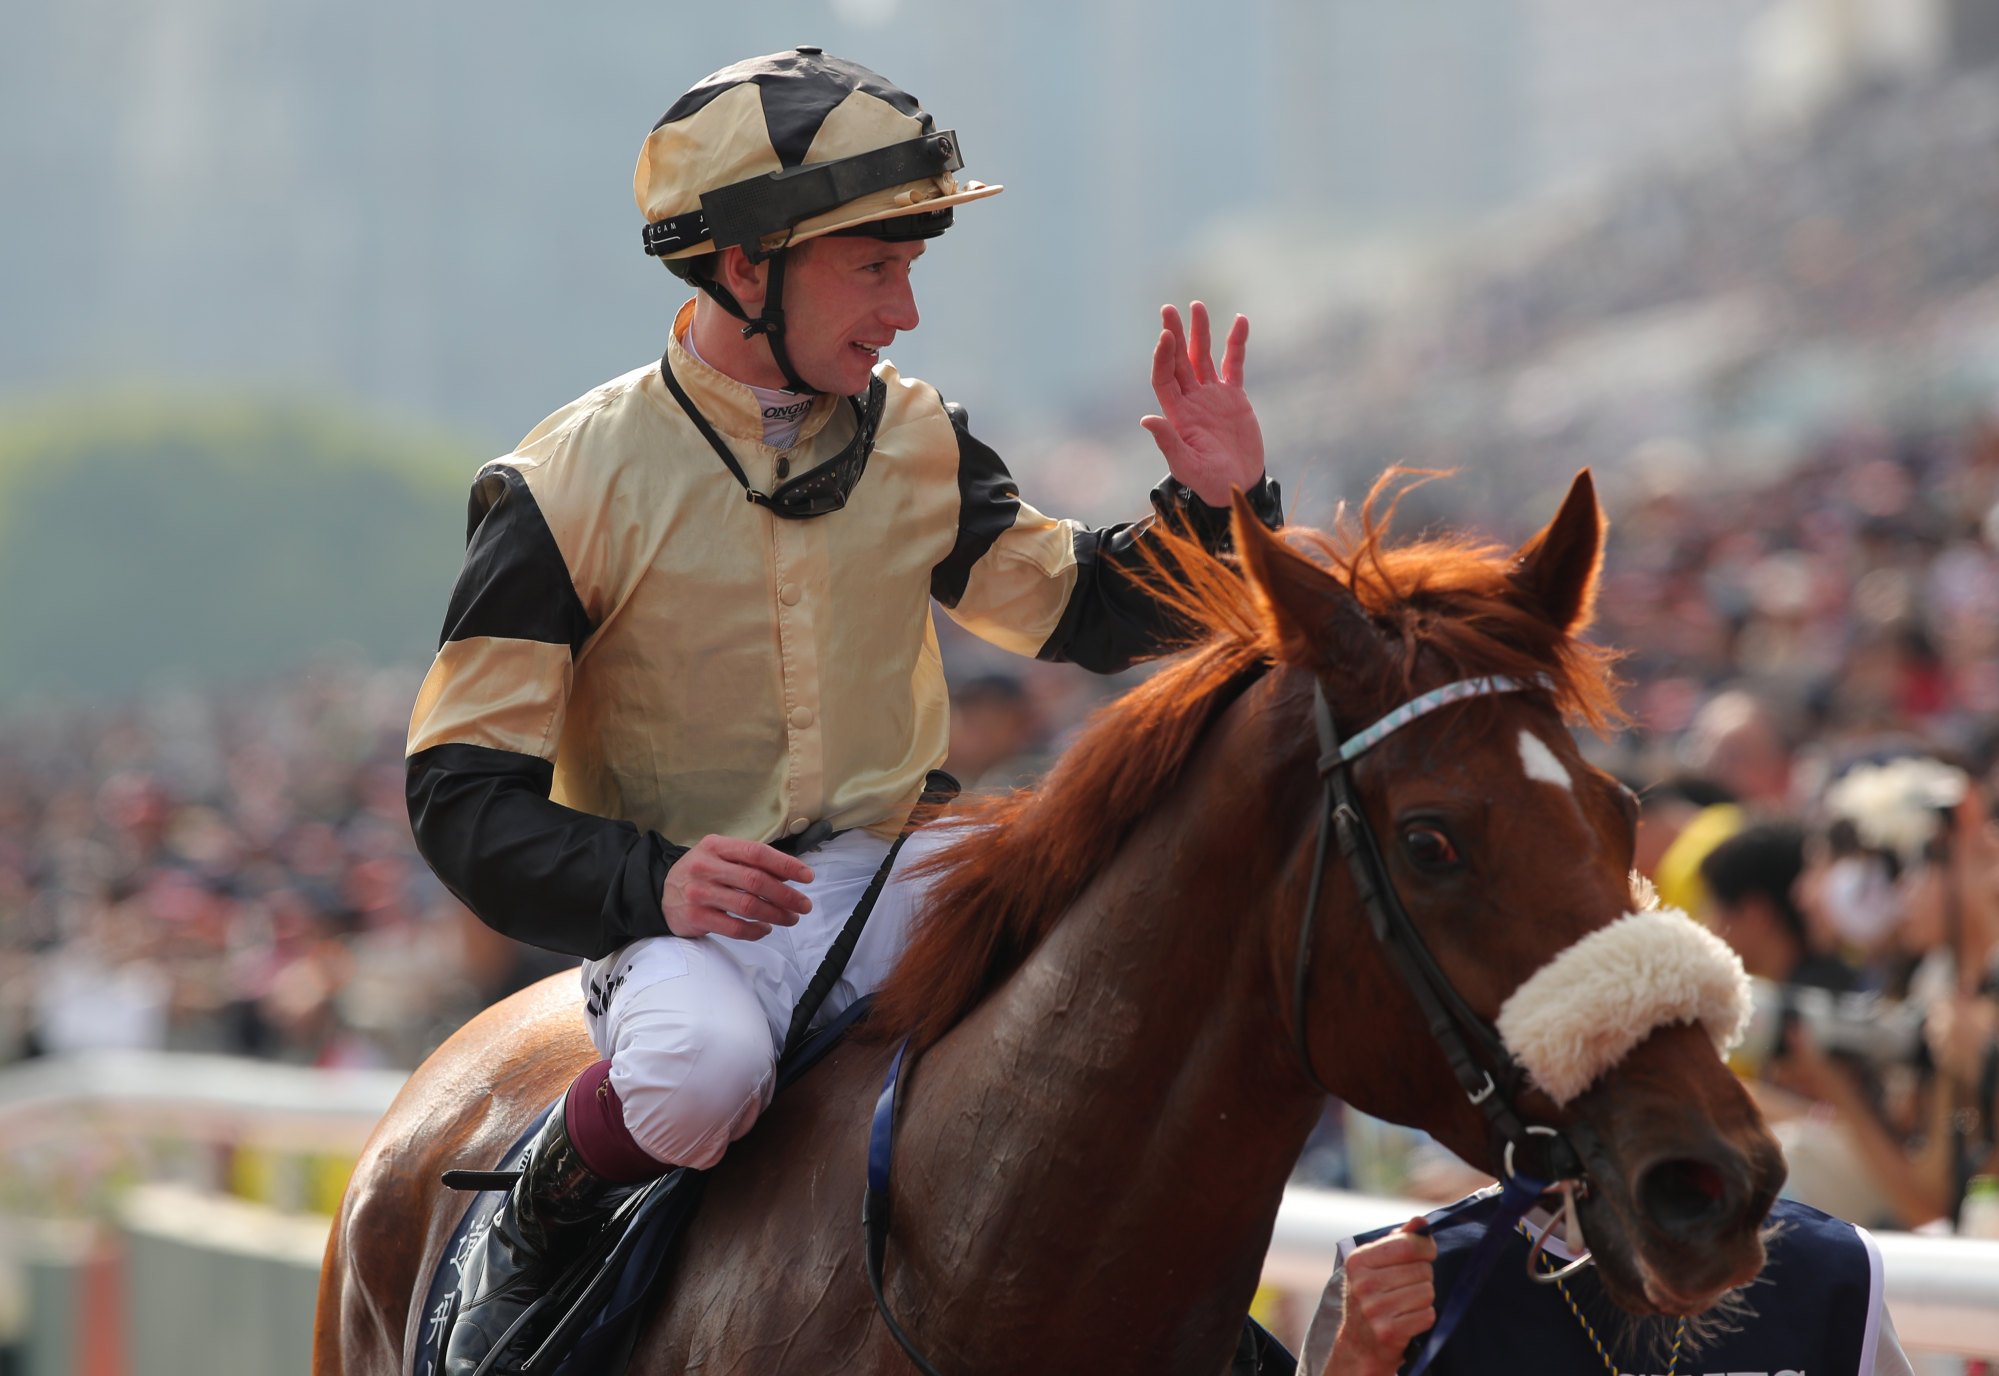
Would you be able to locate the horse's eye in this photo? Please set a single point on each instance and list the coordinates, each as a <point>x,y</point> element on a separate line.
<point>1429,847</point>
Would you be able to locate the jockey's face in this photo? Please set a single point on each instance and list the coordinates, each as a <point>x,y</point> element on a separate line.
<point>845,300</point>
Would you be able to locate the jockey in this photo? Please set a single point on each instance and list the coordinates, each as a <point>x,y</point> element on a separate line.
<point>689,689</point>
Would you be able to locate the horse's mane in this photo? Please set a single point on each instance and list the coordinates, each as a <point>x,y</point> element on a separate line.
<point>994,897</point>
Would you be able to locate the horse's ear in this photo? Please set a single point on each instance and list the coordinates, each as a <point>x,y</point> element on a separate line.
<point>1317,620</point>
<point>1558,568</point>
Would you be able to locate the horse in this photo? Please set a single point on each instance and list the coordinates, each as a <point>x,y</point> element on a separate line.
<point>1112,1071</point>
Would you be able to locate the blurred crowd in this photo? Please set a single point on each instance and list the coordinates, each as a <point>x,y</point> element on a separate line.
<point>1858,595</point>
<point>1803,576</point>
<point>1759,285</point>
<point>230,873</point>
<point>233,872</point>
<point>1816,671</point>
<point>1814,686</point>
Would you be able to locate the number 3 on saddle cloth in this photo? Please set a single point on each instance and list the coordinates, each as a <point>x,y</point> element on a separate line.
<point>605,1296</point>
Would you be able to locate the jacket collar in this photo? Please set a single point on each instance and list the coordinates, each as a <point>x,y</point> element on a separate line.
<point>730,407</point>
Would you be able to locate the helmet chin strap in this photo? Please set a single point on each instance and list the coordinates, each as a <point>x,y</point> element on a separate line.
<point>769,322</point>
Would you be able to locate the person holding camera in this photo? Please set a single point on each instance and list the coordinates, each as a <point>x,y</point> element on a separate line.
<point>1911,1136</point>
<point>1750,882</point>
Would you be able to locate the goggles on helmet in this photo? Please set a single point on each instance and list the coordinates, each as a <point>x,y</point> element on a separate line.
<point>742,214</point>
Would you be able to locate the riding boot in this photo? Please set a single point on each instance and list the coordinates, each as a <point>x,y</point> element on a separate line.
<point>552,1211</point>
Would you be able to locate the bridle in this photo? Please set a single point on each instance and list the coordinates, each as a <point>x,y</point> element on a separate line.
<point>1485,1070</point>
<point>1536,1158</point>
<point>1491,1079</point>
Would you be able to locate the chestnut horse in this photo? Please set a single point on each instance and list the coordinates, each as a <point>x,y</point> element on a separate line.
<point>1094,1143</point>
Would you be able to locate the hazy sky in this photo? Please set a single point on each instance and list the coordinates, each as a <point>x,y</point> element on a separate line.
<point>427,208</point>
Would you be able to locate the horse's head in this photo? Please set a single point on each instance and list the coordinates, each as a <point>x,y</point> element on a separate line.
<point>1510,855</point>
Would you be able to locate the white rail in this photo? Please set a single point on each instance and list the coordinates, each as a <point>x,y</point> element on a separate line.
<point>212,1096</point>
<point>1942,1291</point>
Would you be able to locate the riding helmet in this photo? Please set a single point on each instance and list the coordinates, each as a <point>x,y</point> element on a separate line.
<point>779,149</point>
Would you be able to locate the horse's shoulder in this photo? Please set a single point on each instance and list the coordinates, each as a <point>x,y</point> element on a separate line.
<point>464,1106</point>
<point>822,1119</point>
<point>781,1214</point>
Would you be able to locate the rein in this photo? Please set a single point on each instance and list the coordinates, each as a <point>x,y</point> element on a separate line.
<point>1451,1021</point>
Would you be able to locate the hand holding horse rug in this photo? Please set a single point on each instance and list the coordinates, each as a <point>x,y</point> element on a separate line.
<point>1110,1095</point>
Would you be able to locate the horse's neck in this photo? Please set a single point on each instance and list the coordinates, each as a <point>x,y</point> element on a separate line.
<point>1123,1113</point>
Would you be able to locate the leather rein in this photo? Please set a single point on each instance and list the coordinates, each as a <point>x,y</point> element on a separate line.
<point>1453,1024</point>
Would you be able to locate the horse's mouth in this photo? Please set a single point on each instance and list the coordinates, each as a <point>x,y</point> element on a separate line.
<point>1663,1299</point>
<point>1630,1288</point>
<point>1633,1281</point>
<point>1645,1295</point>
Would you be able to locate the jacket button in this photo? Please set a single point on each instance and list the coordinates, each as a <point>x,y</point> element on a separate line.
<point>789,594</point>
<point>801,717</point>
<point>797,825</point>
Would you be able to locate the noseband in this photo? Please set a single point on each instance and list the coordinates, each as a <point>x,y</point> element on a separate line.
<point>1487,1072</point>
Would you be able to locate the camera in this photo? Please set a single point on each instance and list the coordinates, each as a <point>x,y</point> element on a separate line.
<point>1866,1027</point>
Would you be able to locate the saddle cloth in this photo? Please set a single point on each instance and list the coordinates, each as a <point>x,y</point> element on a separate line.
<point>605,1297</point>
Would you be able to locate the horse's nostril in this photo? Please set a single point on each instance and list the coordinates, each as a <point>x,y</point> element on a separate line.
<point>1683,1195</point>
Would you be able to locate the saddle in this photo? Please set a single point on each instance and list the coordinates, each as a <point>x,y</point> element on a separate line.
<point>606,1293</point>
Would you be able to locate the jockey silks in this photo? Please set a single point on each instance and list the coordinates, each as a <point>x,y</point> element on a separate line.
<point>635,656</point>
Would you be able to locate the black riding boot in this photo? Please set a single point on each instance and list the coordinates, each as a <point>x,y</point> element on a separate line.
<point>551,1212</point>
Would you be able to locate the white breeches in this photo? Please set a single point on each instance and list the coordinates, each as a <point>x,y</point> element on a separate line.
<point>692,1028</point>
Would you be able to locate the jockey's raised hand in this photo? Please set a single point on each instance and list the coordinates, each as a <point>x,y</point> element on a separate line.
<point>1207,429</point>
<point>733,888</point>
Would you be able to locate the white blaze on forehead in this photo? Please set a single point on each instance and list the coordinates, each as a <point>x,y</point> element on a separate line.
<point>1583,1011</point>
<point>1541,762</point>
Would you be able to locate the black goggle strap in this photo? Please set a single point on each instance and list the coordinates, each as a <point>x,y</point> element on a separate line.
<point>708,433</point>
<point>741,214</point>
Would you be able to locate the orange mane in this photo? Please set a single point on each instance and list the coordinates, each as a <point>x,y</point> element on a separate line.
<point>996,895</point>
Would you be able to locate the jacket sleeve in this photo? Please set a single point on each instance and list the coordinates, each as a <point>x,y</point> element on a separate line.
<point>1058,590</point>
<point>481,758</point>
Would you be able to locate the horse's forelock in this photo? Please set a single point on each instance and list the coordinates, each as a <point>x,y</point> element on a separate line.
<point>1453,598</point>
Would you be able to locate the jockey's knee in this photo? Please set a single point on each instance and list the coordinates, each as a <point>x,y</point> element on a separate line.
<point>690,1089</point>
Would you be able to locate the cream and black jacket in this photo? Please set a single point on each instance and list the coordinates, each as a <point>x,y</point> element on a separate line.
<point>633,652</point>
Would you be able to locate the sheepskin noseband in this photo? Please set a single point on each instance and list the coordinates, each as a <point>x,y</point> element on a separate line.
<point>1583,1011</point>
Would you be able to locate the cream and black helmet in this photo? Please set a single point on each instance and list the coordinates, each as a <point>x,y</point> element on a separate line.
<point>780,149</point>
